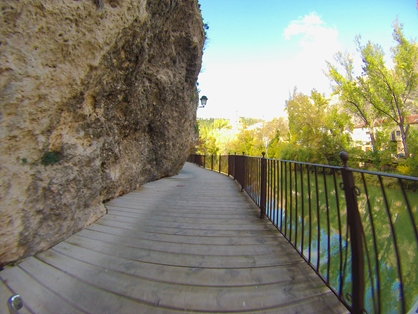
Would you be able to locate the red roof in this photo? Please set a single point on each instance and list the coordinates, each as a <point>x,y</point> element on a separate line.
<point>412,119</point>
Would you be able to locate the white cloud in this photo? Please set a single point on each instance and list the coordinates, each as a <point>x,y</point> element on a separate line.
<point>304,25</point>
<point>258,87</point>
<point>316,43</point>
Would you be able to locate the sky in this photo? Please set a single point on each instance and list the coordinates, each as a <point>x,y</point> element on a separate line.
<point>258,51</point>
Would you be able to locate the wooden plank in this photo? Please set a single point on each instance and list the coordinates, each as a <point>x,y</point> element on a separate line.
<point>36,297</point>
<point>188,275</point>
<point>202,223</point>
<point>182,248</point>
<point>5,294</point>
<point>189,260</point>
<point>267,238</point>
<point>187,297</point>
<point>171,216</point>
<point>75,289</point>
<point>189,232</point>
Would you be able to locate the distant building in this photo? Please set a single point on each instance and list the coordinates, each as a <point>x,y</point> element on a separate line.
<point>361,135</point>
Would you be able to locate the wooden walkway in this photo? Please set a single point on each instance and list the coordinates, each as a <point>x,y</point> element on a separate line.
<point>189,243</point>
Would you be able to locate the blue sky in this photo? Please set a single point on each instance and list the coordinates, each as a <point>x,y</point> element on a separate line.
<point>259,50</point>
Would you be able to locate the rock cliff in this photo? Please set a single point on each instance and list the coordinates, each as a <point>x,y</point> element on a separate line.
<point>96,98</point>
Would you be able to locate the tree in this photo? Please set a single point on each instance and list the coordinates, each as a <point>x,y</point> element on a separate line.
<point>276,132</point>
<point>351,95</point>
<point>317,129</point>
<point>306,117</point>
<point>380,92</point>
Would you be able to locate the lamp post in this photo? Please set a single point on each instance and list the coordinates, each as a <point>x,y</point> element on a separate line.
<point>203,101</point>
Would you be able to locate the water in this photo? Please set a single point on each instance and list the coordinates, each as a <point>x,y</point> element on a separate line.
<point>299,215</point>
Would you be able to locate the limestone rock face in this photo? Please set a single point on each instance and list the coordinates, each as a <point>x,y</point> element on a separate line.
<point>96,98</point>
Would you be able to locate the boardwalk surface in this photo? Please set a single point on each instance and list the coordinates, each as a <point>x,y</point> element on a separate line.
<point>190,243</point>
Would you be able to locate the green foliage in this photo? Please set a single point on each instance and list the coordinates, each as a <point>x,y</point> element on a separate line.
<point>247,122</point>
<point>50,158</point>
<point>251,136</point>
<point>213,133</point>
<point>318,130</point>
<point>381,93</point>
<point>409,166</point>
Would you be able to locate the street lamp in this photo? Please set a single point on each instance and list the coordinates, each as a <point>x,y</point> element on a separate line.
<point>203,101</point>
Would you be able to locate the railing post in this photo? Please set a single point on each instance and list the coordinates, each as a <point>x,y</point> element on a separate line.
<point>356,233</point>
<point>211,162</point>
<point>243,172</point>
<point>220,162</point>
<point>263,186</point>
<point>204,161</point>
<point>229,164</point>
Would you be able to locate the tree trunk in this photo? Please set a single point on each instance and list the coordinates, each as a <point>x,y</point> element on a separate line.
<point>373,140</point>
<point>404,136</point>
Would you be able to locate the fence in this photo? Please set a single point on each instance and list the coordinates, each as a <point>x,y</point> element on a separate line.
<point>357,229</point>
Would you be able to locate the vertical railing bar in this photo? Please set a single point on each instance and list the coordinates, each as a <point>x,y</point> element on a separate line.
<point>408,206</point>
<point>291,203</point>
<point>249,181</point>
<point>254,179</point>
<point>260,181</point>
<point>340,288</point>
<point>243,175</point>
<point>271,187</point>
<point>257,180</point>
<point>310,213</point>
<point>366,250</point>
<point>286,201</point>
<point>268,186</point>
<point>392,229</point>
<point>369,208</point>
<point>318,223</point>
<point>328,224</point>
<point>356,235</point>
<point>296,206</point>
<point>251,175</point>
<point>276,192</point>
<point>263,179</point>
<point>303,209</point>
<point>273,190</point>
<point>281,195</point>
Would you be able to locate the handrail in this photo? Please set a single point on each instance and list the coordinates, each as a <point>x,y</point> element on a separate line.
<point>357,229</point>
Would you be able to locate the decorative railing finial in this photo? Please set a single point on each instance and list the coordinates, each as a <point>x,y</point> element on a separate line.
<point>344,158</point>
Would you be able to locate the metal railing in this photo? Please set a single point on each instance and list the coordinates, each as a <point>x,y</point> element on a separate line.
<point>357,229</point>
